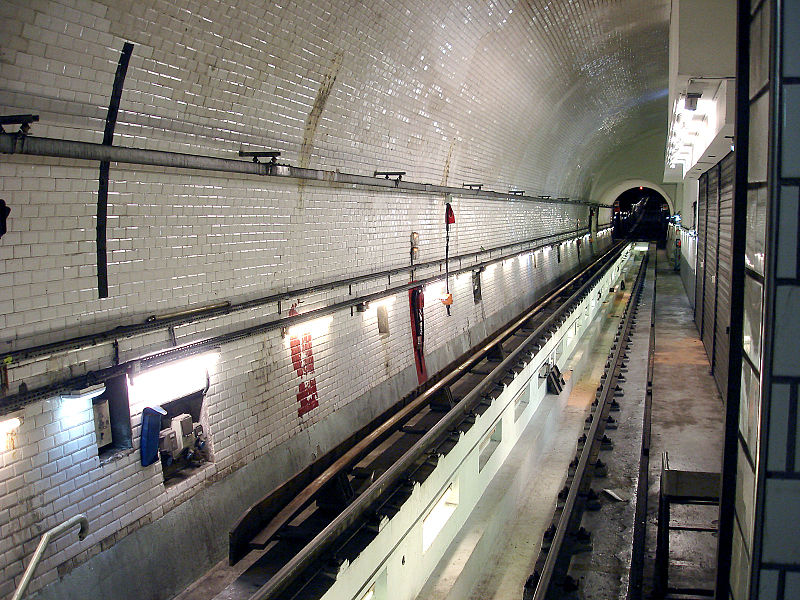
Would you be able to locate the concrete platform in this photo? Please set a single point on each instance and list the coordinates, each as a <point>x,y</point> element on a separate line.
<point>687,421</point>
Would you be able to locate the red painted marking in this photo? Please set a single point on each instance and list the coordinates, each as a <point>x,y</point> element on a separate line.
<point>303,364</point>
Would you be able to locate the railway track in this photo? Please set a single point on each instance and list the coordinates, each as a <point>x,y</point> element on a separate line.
<point>292,543</point>
<point>565,537</point>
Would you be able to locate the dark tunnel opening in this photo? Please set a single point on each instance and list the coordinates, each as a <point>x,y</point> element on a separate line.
<point>641,214</point>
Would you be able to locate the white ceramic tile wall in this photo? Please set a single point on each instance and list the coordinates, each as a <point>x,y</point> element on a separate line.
<point>435,89</point>
<point>512,94</point>
<point>251,407</point>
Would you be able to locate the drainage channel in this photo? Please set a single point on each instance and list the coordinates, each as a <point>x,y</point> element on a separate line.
<point>565,538</point>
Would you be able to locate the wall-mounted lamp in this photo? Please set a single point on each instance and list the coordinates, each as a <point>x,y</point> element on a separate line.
<point>172,380</point>
<point>316,327</point>
<point>690,102</point>
<point>87,393</point>
<point>8,429</point>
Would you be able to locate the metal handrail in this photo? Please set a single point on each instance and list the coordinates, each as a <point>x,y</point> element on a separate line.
<point>52,534</point>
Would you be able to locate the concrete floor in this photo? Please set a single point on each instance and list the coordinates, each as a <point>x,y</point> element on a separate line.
<point>498,546</point>
<point>687,421</point>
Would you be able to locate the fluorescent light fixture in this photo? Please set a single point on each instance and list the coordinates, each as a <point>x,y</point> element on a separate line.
<point>173,380</point>
<point>435,289</point>
<point>316,327</point>
<point>641,247</point>
<point>76,402</point>
<point>86,393</point>
<point>387,302</point>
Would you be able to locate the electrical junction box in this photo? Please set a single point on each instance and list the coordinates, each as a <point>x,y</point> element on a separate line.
<point>102,423</point>
<point>182,425</point>
<point>184,431</point>
<point>167,442</point>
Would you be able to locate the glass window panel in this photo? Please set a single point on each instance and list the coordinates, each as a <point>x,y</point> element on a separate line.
<point>756,228</point>
<point>751,334</point>
<point>759,114</point>
<point>759,51</point>
<point>790,131</point>
<point>749,408</point>
<point>791,39</point>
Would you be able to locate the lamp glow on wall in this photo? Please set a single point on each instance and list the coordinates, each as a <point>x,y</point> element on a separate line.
<point>8,430</point>
<point>76,403</point>
<point>315,328</point>
<point>438,290</point>
<point>172,380</point>
<point>374,305</point>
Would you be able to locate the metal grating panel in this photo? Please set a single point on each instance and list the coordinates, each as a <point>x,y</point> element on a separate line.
<point>701,253</point>
<point>724,265</point>
<point>710,275</point>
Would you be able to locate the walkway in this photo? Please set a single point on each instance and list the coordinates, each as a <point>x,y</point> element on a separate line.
<point>687,421</point>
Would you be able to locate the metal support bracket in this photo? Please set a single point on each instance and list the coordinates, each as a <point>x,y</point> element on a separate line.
<point>271,154</point>
<point>24,122</point>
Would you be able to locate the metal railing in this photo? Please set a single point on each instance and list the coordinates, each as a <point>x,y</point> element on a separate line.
<point>49,536</point>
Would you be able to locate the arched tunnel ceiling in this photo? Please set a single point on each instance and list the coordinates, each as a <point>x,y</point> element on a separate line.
<point>535,94</point>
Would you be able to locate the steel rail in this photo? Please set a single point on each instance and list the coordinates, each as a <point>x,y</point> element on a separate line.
<point>194,314</point>
<point>58,148</point>
<point>636,578</point>
<point>360,505</point>
<point>543,585</point>
<point>377,435</point>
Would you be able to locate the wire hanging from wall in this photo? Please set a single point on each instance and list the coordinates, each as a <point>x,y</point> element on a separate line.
<point>449,219</point>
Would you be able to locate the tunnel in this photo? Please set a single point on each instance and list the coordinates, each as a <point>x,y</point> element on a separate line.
<point>390,300</point>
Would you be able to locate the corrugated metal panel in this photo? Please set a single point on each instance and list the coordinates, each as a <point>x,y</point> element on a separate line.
<point>701,254</point>
<point>710,275</point>
<point>724,266</point>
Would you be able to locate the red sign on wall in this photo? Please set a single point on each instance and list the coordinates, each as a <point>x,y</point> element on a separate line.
<point>303,363</point>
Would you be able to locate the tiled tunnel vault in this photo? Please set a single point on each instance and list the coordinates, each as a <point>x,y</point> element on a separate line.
<point>537,95</point>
